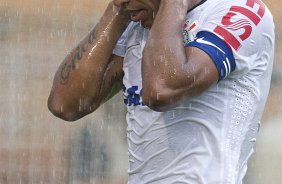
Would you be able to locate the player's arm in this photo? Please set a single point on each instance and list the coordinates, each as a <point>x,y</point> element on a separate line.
<point>170,71</point>
<point>90,74</point>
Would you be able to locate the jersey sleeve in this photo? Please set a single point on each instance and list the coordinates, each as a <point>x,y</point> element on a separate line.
<point>237,35</point>
<point>121,45</point>
<point>220,53</point>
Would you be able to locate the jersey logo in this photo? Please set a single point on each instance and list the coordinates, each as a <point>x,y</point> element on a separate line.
<point>227,66</point>
<point>201,40</point>
<point>189,27</point>
<point>235,32</point>
<point>132,96</point>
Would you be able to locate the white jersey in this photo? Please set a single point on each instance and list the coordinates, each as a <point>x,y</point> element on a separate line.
<point>209,138</point>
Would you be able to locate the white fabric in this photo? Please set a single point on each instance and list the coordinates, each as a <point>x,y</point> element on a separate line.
<point>208,139</point>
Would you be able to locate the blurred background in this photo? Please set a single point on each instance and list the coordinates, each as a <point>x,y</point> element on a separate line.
<point>35,147</point>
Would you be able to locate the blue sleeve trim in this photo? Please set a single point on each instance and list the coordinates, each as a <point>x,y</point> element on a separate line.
<point>217,49</point>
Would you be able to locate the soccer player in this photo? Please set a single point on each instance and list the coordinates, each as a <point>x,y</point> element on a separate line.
<point>195,75</point>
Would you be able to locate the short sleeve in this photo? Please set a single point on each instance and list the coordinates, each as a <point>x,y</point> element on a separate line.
<point>120,48</point>
<point>220,53</point>
<point>236,35</point>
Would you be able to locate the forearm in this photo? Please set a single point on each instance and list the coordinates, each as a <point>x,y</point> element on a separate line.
<point>164,57</point>
<point>77,83</point>
<point>93,52</point>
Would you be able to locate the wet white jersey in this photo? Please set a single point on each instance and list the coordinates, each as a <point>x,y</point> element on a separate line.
<point>207,139</point>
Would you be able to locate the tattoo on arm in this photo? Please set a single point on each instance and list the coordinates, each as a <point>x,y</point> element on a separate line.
<point>70,65</point>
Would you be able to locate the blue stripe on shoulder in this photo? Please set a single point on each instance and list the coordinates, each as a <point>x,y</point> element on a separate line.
<point>217,49</point>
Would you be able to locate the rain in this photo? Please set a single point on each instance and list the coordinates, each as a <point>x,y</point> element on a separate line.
<point>36,147</point>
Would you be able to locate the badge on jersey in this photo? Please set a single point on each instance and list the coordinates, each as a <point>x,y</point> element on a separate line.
<point>189,31</point>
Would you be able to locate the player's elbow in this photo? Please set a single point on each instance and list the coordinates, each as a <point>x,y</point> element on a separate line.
<point>156,97</point>
<point>64,110</point>
<point>63,115</point>
<point>59,110</point>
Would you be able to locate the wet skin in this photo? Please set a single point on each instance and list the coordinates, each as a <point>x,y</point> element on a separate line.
<point>143,11</point>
